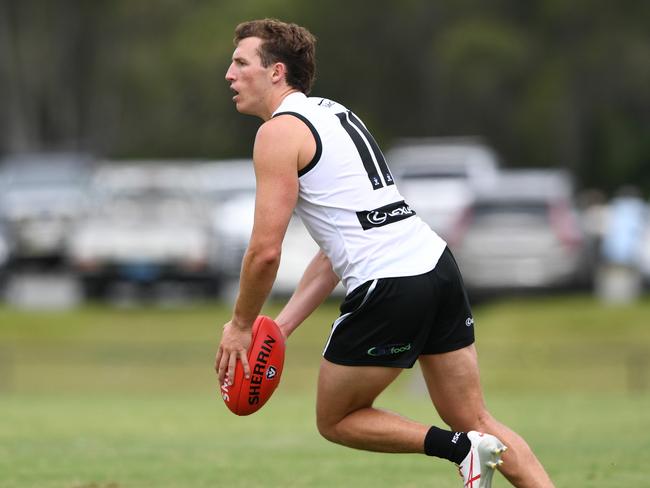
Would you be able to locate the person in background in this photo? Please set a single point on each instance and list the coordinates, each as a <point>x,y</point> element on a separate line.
<point>619,277</point>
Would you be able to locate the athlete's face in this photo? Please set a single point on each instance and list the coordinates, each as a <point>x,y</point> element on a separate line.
<point>250,81</point>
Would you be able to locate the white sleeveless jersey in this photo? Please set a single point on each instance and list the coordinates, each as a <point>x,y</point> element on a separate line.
<point>349,202</point>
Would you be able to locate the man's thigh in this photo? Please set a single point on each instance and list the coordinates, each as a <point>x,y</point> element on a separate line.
<point>454,385</point>
<point>345,389</point>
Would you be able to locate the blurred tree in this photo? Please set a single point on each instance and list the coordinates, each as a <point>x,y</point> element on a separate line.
<point>548,83</point>
<point>600,51</point>
<point>46,48</point>
<point>481,66</point>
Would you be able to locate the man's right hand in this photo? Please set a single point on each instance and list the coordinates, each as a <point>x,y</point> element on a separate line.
<point>235,342</point>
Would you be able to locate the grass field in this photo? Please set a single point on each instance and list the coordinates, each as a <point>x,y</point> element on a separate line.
<point>100,397</point>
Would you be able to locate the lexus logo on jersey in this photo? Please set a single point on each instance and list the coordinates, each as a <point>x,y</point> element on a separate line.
<point>385,215</point>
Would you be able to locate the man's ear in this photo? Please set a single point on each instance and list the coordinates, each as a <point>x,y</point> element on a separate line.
<point>279,72</point>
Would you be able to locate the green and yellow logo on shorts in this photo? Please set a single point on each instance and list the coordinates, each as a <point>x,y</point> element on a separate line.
<point>389,350</point>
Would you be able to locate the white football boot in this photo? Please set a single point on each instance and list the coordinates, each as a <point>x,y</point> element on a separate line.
<point>484,456</point>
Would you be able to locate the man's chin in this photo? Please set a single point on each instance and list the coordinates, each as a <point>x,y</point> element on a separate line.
<point>243,109</point>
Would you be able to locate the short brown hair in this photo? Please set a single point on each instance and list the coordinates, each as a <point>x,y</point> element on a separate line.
<point>290,44</point>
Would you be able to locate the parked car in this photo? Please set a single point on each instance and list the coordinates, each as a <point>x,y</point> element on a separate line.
<point>5,249</point>
<point>439,177</point>
<point>41,197</point>
<point>222,179</point>
<point>232,222</point>
<point>229,187</point>
<point>645,252</point>
<point>522,234</point>
<point>148,223</point>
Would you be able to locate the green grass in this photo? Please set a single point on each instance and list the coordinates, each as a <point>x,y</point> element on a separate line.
<point>99,397</point>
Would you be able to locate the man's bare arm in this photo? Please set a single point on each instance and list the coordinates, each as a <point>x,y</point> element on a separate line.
<point>314,287</point>
<point>276,157</point>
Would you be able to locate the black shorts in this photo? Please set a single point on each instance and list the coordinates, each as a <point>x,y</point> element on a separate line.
<point>392,321</point>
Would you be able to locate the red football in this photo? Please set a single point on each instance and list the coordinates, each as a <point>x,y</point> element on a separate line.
<point>266,359</point>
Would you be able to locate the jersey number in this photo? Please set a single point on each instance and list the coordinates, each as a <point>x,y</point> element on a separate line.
<point>362,140</point>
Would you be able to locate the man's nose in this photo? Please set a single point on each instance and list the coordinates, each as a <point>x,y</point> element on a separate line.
<point>229,74</point>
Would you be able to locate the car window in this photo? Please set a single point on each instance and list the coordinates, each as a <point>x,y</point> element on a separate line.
<point>424,174</point>
<point>512,212</point>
